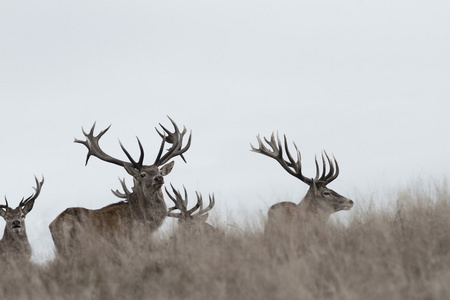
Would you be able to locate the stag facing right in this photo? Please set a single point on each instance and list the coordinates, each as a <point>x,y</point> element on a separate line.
<point>318,203</point>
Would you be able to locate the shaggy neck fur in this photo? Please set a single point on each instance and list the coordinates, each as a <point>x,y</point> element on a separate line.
<point>148,205</point>
<point>15,243</point>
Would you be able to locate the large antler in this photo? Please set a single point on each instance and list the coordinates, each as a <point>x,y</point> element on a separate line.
<point>182,205</point>
<point>94,149</point>
<point>33,196</point>
<point>176,139</point>
<point>292,166</point>
<point>4,208</point>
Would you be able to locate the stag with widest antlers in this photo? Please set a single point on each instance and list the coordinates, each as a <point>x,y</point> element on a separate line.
<point>14,243</point>
<point>318,203</point>
<point>143,209</point>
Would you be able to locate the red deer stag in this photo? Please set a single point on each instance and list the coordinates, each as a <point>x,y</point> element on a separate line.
<point>318,203</point>
<point>15,241</point>
<point>191,220</point>
<point>144,207</point>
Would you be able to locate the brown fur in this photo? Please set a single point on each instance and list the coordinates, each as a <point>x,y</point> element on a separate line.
<point>15,242</point>
<point>144,209</point>
<point>316,207</point>
<point>319,202</point>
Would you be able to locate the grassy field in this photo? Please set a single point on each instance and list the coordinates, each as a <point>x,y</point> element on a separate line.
<point>397,252</point>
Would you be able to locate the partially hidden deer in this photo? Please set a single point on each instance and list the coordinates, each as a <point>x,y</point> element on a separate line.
<point>318,203</point>
<point>143,208</point>
<point>15,240</point>
<point>192,220</point>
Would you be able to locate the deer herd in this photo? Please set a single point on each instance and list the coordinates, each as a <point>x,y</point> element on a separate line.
<point>143,208</point>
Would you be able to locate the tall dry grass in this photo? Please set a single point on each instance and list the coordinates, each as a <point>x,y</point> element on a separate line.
<point>398,252</point>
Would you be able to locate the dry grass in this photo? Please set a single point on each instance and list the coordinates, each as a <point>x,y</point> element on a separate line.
<point>394,253</point>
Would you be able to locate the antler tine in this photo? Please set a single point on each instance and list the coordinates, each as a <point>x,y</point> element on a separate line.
<point>176,139</point>
<point>202,210</point>
<point>324,166</point>
<point>170,195</point>
<point>125,189</point>
<point>89,140</point>
<point>137,165</point>
<point>180,204</point>
<point>197,206</point>
<point>261,146</point>
<point>171,134</point>
<point>183,202</point>
<point>274,153</point>
<point>291,165</point>
<point>92,144</point>
<point>5,206</point>
<point>276,147</point>
<point>331,171</point>
<point>161,148</point>
<point>188,144</point>
<point>332,174</point>
<point>37,190</point>
<point>170,213</point>
<point>297,165</point>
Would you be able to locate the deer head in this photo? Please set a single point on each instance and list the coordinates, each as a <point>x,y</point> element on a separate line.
<point>15,241</point>
<point>15,218</point>
<point>195,216</point>
<point>148,177</point>
<point>319,198</point>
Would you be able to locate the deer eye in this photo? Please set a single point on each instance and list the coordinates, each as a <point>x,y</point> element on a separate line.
<point>326,193</point>
<point>143,174</point>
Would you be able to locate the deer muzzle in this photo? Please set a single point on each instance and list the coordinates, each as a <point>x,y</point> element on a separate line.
<point>16,224</point>
<point>348,204</point>
<point>159,179</point>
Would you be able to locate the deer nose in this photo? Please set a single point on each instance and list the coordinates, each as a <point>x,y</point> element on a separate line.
<point>16,223</point>
<point>159,179</point>
<point>351,202</point>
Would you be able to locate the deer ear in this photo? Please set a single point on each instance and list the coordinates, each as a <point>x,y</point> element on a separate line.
<point>201,218</point>
<point>315,186</point>
<point>166,169</point>
<point>28,207</point>
<point>2,212</point>
<point>131,170</point>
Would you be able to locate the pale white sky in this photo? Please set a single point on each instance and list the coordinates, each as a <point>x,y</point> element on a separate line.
<point>365,80</point>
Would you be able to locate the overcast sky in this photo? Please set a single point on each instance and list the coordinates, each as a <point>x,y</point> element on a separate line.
<point>368,81</point>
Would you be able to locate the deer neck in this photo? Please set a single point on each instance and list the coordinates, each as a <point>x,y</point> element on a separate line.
<point>148,204</point>
<point>311,206</point>
<point>17,240</point>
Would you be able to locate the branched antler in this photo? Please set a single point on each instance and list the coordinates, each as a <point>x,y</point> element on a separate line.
<point>126,192</point>
<point>176,139</point>
<point>292,166</point>
<point>182,205</point>
<point>34,196</point>
<point>94,149</point>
